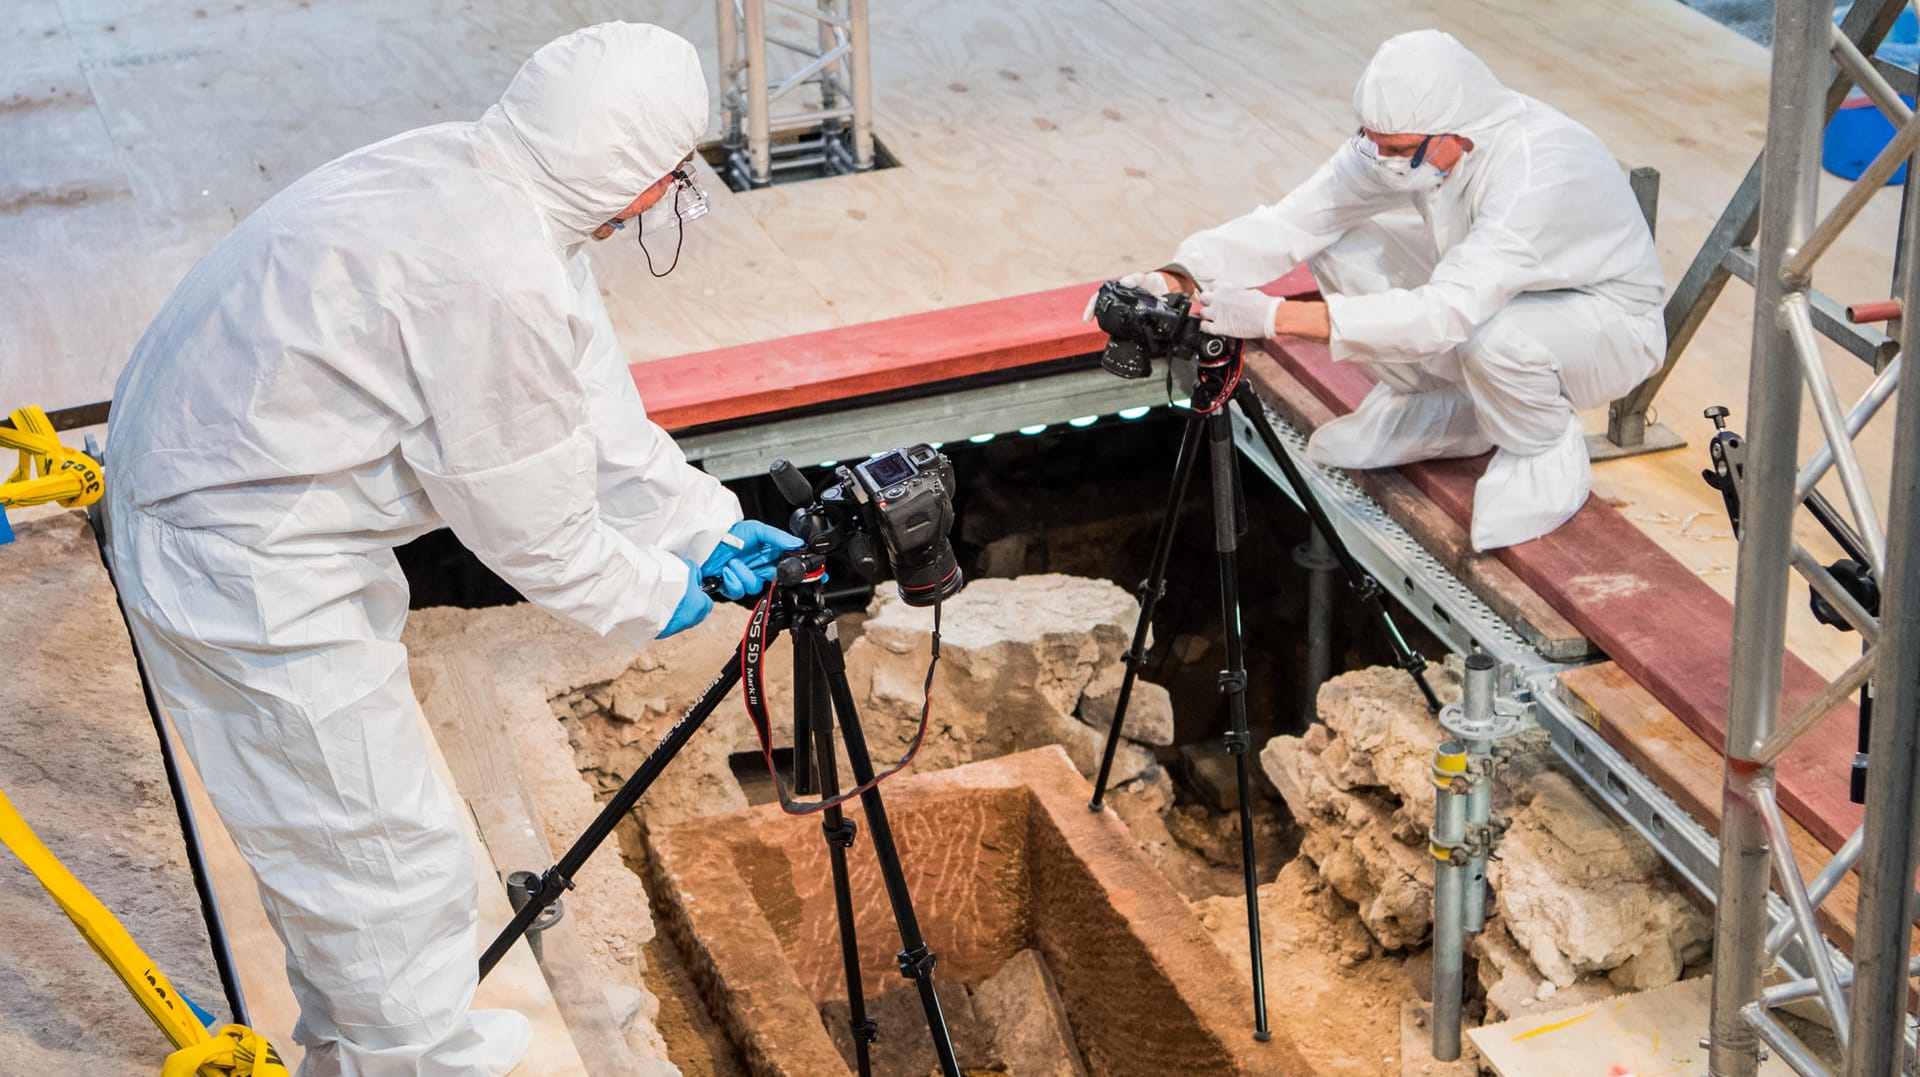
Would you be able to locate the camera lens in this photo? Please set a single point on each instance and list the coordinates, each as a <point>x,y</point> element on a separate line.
<point>1125,358</point>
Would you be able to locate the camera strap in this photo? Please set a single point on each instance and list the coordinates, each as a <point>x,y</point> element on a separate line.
<point>753,694</point>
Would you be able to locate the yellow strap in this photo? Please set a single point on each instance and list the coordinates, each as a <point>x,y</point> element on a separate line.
<point>237,1051</point>
<point>148,984</point>
<point>47,470</point>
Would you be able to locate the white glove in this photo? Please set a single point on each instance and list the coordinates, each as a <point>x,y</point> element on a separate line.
<point>1153,282</point>
<point>1239,312</point>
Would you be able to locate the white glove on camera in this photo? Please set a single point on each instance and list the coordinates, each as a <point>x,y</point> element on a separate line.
<point>1153,282</point>
<point>1239,312</point>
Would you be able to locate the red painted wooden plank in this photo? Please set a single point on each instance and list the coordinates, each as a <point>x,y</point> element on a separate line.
<point>1657,620</point>
<point>749,380</point>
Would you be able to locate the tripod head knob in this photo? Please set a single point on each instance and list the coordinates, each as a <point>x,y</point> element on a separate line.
<point>1718,413</point>
<point>792,485</point>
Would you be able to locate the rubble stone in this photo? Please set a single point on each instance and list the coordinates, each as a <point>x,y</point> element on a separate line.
<point>1149,712</point>
<point>1582,893</point>
<point>1578,894</point>
<point>1024,662</point>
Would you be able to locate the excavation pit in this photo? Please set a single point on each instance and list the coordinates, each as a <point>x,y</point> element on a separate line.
<point>1001,856</point>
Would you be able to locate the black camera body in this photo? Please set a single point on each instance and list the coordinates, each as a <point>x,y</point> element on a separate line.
<point>1141,326</point>
<point>903,496</point>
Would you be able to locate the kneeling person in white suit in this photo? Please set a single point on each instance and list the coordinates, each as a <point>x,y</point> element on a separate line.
<point>1483,258</point>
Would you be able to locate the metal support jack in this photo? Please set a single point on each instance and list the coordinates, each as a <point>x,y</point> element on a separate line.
<point>1464,833</point>
<point>818,116</point>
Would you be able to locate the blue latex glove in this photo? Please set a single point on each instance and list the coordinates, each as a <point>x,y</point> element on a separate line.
<point>744,561</point>
<point>693,608</point>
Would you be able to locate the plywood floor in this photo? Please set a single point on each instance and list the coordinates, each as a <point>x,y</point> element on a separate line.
<point>1042,144</point>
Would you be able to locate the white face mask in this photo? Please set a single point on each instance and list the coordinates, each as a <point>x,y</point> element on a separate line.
<point>1399,173</point>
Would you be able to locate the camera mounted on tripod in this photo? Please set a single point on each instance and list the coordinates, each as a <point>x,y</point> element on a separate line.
<point>1141,327</point>
<point>904,497</point>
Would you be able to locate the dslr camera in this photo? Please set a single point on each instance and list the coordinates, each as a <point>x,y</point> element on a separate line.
<point>1141,327</point>
<point>903,496</point>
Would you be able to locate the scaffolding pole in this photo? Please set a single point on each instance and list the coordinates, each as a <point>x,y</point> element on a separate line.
<point>1871,1023</point>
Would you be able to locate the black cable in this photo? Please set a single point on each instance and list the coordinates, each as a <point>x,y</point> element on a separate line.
<point>223,962</point>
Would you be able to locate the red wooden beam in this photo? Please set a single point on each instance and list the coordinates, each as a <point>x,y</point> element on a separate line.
<point>752,380</point>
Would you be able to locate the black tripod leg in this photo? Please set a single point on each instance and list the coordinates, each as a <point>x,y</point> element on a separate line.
<point>1150,592</point>
<point>916,961</point>
<point>1364,586</point>
<point>815,721</point>
<point>1233,683</point>
<point>558,879</point>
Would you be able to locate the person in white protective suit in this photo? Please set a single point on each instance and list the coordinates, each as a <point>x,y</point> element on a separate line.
<point>405,338</point>
<point>1482,257</point>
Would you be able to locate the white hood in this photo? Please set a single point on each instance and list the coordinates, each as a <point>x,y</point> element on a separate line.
<point>598,116</point>
<point>1427,83</point>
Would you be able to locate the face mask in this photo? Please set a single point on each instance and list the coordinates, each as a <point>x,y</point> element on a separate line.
<point>1414,174</point>
<point>689,203</point>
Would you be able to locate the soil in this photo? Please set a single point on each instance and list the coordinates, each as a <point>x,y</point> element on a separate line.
<point>695,1041</point>
<point>1328,986</point>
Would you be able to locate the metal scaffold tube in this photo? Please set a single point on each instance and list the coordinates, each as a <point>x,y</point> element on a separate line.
<point>1447,843</point>
<point>1788,185</point>
<point>1887,860</point>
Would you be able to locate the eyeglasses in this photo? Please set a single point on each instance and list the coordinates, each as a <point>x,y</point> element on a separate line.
<point>690,203</point>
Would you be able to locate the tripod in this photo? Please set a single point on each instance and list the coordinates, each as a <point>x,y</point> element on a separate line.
<point>1216,384</point>
<point>821,695</point>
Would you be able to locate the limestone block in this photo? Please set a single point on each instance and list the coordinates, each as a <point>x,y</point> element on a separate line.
<point>1514,987</point>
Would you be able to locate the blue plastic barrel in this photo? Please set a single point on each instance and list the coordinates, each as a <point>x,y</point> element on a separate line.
<point>1858,132</point>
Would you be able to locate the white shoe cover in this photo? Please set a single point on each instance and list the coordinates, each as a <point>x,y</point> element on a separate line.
<point>508,1034</point>
<point>491,1041</point>
<point>1391,428</point>
<point>1524,497</point>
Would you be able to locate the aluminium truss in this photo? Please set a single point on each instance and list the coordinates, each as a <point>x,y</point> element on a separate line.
<point>1865,1002</point>
<point>819,116</point>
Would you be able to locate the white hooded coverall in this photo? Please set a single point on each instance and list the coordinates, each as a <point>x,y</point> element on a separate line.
<point>407,337</point>
<point>1488,308</point>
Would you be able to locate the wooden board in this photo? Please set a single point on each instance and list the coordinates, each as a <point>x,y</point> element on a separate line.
<point>1668,630</point>
<point>1689,770</point>
<point>1644,1034</point>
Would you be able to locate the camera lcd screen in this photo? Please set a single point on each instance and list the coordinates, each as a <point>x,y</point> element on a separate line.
<point>888,468</point>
